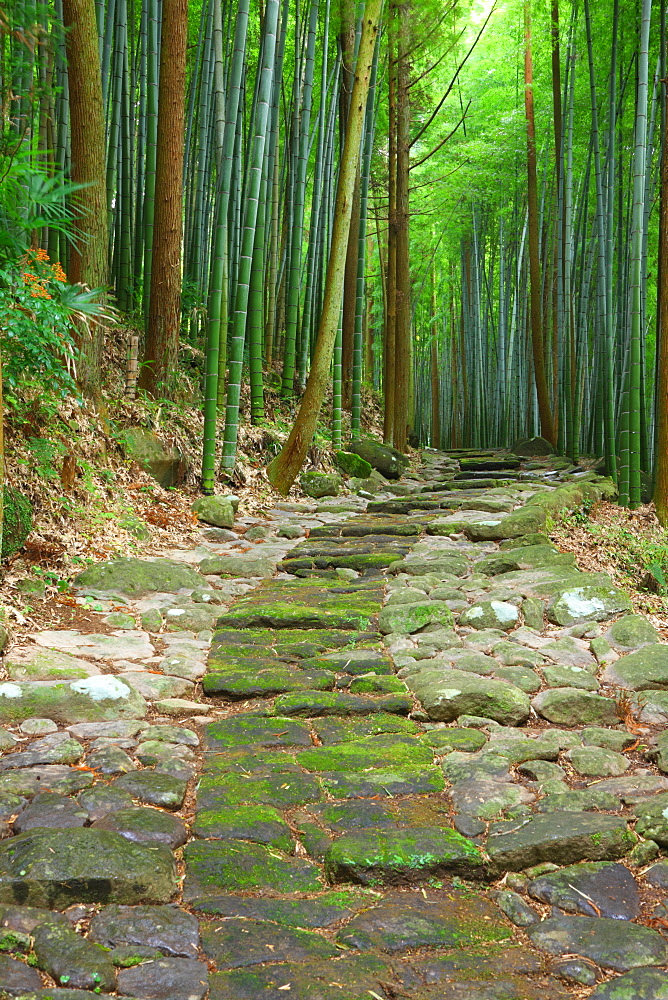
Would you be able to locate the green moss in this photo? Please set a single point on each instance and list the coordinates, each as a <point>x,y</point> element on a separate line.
<point>374,752</point>
<point>331,731</point>
<point>374,685</point>
<point>253,730</point>
<point>16,521</point>
<point>282,791</point>
<point>257,823</point>
<point>237,867</point>
<point>399,856</point>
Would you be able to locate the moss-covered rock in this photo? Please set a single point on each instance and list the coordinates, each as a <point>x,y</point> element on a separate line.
<point>570,706</point>
<point>320,484</point>
<point>388,461</point>
<point>588,603</point>
<point>376,751</point>
<point>261,824</point>
<point>352,465</point>
<point>214,510</point>
<point>162,461</point>
<point>389,857</point>
<point>137,577</point>
<point>17,521</point>
<point>631,632</point>
<point>214,866</point>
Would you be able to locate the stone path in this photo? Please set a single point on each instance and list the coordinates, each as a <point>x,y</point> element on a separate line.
<point>416,754</point>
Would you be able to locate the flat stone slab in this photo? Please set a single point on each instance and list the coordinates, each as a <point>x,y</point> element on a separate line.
<point>33,663</point>
<point>17,978</point>
<point>596,889</point>
<point>238,943</point>
<point>54,868</point>
<point>219,867</point>
<point>89,699</point>
<point>137,577</point>
<point>167,928</point>
<point>408,921</point>
<point>165,979</point>
<point>372,857</point>
<point>324,979</point>
<point>253,730</point>
<point>562,838</point>
<point>323,911</point>
<point>645,669</point>
<point>640,984</point>
<point>612,944</point>
<point>126,645</point>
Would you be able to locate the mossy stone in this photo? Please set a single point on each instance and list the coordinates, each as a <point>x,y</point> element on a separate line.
<point>524,678</point>
<point>137,577</point>
<point>561,838</point>
<point>648,984</point>
<point>559,675</point>
<point>382,751</point>
<point>643,670</point>
<point>384,782</point>
<point>319,703</point>
<point>151,620</point>
<point>587,603</point>
<point>214,866</point>
<point>253,730</point>
<point>352,465</point>
<point>320,484</point>
<point>241,942</point>
<point>611,739</point>
<point>257,823</point>
<point>235,789</point>
<point>632,632</point>
<point>598,762</point>
<point>90,699</point>
<point>389,857</point>
<point>467,740</point>
<point>408,618</point>
<point>17,521</point>
<point>217,511</point>
<point>331,731</point>
<point>491,614</point>
<point>54,868</point>
<point>264,683</point>
<point>376,685</point>
<point>406,922</point>
<point>524,521</point>
<point>569,706</point>
<point>321,911</point>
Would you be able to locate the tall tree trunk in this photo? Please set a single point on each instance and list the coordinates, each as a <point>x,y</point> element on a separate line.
<point>544,409</point>
<point>391,283</point>
<point>435,379</point>
<point>661,485</point>
<point>347,43</point>
<point>89,255</point>
<point>402,343</point>
<point>284,469</point>
<point>162,334</point>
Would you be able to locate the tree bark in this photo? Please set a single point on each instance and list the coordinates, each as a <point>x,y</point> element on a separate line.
<point>284,469</point>
<point>391,282</point>
<point>162,334</point>
<point>544,408</point>
<point>661,484</point>
<point>88,262</point>
<point>402,344</point>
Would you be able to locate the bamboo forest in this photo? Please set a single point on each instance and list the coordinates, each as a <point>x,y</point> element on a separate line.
<point>334,499</point>
<point>455,209</point>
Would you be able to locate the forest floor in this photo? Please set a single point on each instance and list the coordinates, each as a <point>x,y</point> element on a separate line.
<point>415,752</point>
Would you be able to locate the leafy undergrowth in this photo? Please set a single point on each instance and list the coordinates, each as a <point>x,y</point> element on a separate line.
<point>67,455</point>
<point>629,545</point>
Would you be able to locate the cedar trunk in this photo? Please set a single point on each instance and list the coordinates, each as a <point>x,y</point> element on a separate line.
<point>162,334</point>
<point>402,333</point>
<point>88,262</point>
